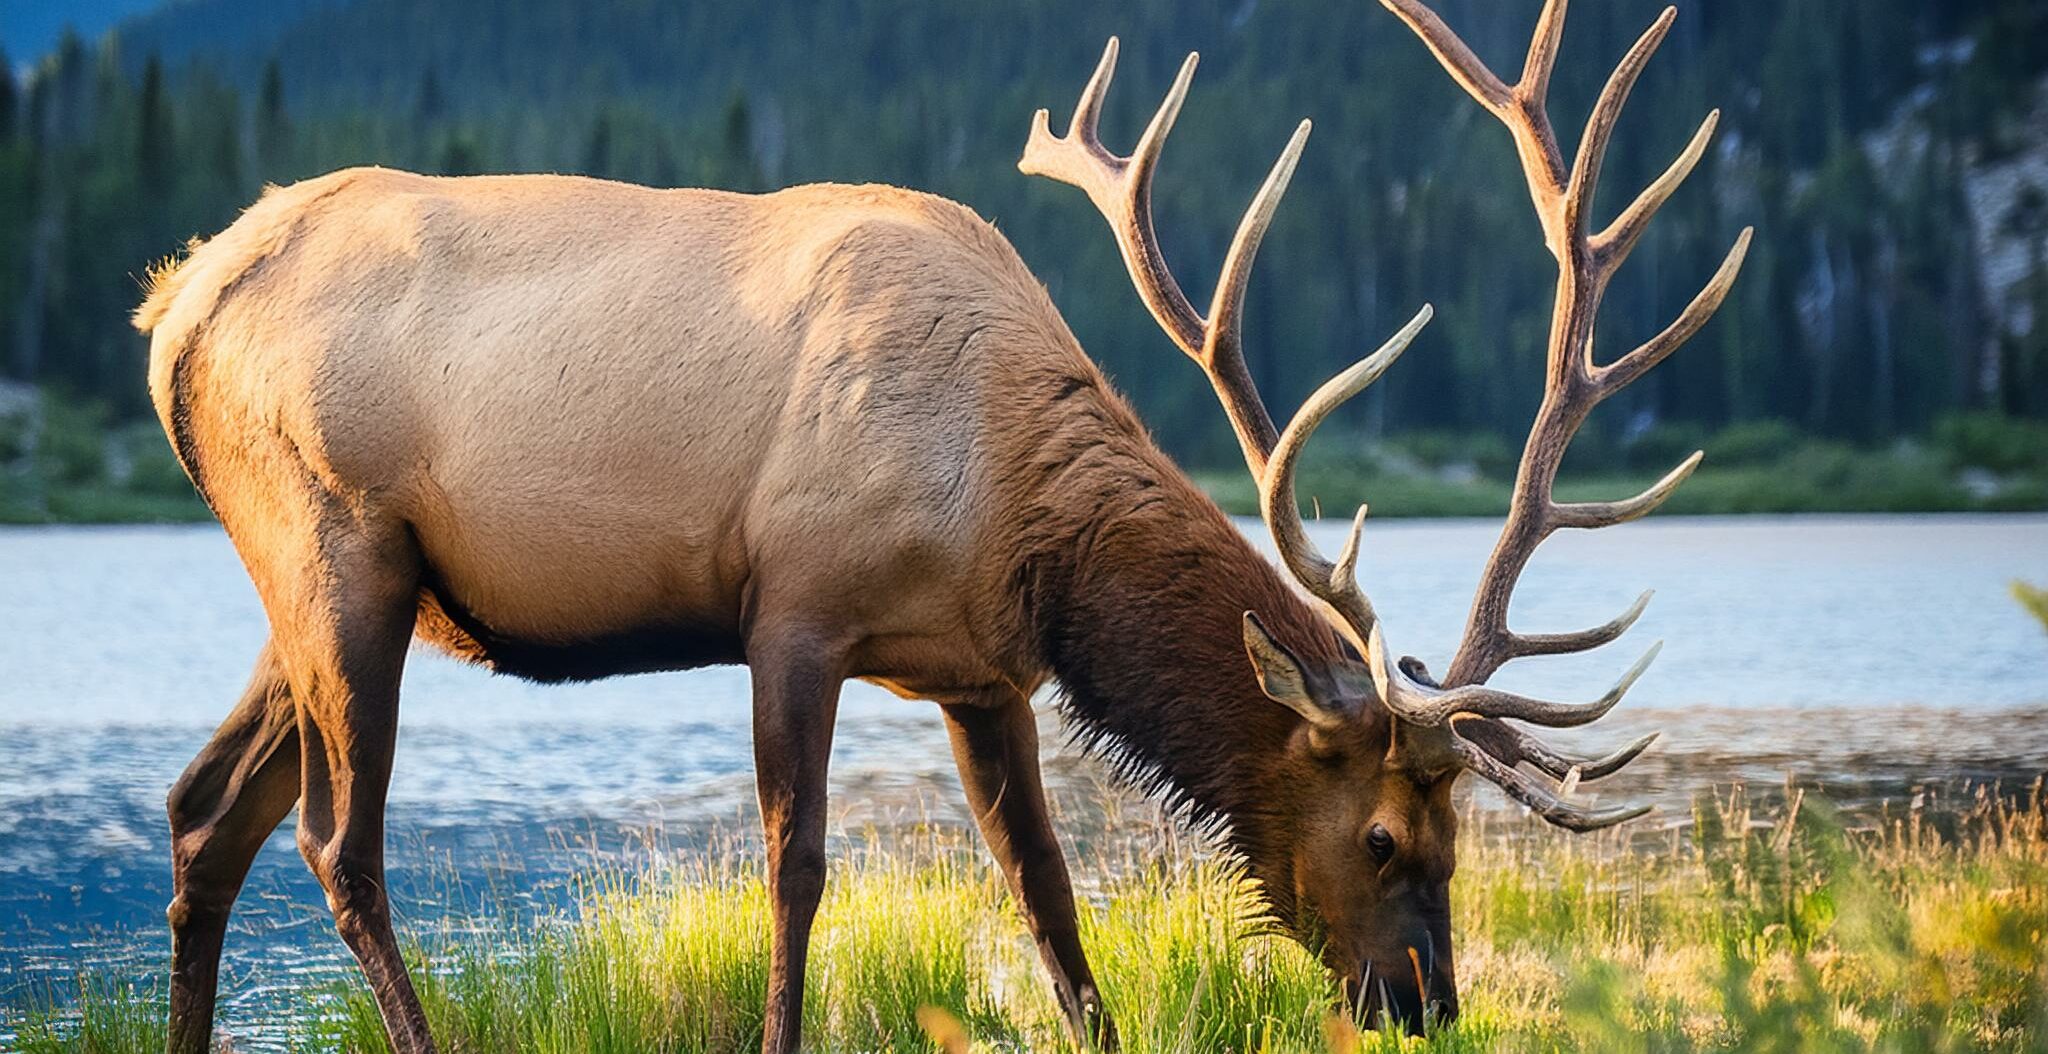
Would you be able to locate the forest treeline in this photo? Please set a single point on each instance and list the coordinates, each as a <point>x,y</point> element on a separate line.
<point>1850,131</point>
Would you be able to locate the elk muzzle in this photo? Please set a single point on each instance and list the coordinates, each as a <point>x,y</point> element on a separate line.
<point>1410,986</point>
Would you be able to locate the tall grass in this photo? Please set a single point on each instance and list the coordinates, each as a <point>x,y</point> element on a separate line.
<point>1745,929</point>
<point>2034,599</point>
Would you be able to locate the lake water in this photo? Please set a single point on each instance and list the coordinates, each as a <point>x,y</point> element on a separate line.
<point>1877,656</point>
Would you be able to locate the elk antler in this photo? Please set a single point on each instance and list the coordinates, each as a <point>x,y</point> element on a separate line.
<point>1464,720</point>
<point>1121,188</point>
<point>1573,386</point>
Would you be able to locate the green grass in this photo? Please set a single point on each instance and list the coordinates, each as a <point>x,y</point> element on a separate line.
<point>99,1016</point>
<point>2034,599</point>
<point>1742,931</point>
<point>100,504</point>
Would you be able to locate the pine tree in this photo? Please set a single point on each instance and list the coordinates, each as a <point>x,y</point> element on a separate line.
<point>737,146</point>
<point>153,147</point>
<point>597,153</point>
<point>273,126</point>
<point>430,104</point>
<point>65,85</point>
<point>459,157</point>
<point>10,102</point>
<point>2026,371</point>
<point>225,149</point>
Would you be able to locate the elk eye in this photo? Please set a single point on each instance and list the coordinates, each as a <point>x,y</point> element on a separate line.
<point>1379,843</point>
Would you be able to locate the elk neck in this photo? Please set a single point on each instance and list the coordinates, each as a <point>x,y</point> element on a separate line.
<point>1136,585</point>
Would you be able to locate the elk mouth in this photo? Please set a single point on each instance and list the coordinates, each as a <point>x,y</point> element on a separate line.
<point>1383,995</point>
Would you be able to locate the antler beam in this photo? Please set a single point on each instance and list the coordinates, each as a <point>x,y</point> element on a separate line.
<point>1573,386</point>
<point>1335,584</point>
<point>1121,188</point>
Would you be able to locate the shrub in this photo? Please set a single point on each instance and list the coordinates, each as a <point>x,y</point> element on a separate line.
<point>153,470</point>
<point>1491,455</point>
<point>1662,446</point>
<point>1993,441</point>
<point>1752,443</point>
<point>71,447</point>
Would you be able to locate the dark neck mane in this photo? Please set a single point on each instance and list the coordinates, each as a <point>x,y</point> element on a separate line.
<point>1137,588</point>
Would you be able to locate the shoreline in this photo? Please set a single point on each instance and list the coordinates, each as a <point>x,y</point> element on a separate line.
<point>198,515</point>
<point>1727,491</point>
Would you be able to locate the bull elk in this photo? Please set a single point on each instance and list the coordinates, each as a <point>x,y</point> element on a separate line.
<point>568,428</point>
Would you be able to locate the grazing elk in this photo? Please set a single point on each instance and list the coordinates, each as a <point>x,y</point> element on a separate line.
<point>569,428</point>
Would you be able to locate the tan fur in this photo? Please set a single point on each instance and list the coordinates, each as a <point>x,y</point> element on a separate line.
<point>599,406</point>
<point>572,428</point>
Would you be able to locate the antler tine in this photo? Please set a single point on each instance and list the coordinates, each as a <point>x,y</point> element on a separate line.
<point>1618,374</point>
<point>1540,800</point>
<point>1587,514</point>
<point>1335,584</point>
<point>1226,310</point>
<point>1581,640</point>
<point>1457,58</point>
<point>1121,188</point>
<point>1146,154</point>
<point>1612,246</point>
<point>1578,198</point>
<point>1083,128</point>
<point>1512,746</point>
<point>1423,705</point>
<point>1534,86</point>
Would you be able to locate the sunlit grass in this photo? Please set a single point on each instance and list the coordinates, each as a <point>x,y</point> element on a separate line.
<point>1742,930</point>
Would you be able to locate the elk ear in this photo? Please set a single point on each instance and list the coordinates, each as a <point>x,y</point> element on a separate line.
<point>1284,681</point>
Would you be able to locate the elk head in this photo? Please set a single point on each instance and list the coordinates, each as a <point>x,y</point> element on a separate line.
<point>1361,873</point>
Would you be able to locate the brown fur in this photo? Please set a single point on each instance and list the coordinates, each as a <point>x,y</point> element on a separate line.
<point>569,428</point>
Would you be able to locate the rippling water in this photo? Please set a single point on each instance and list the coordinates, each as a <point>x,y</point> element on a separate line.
<point>1871,654</point>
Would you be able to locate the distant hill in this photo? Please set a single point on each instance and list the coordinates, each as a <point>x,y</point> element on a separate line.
<point>355,54</point>
<point>236,35</point>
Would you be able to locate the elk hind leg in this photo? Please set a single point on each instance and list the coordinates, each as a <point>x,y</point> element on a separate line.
<point>234,793</point>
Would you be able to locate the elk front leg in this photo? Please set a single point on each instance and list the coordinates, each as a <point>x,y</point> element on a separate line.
<point>796,700</point>
<point>235,792</point>
<point>995,744</point>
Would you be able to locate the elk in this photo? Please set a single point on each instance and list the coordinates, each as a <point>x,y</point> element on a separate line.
<point>568,428</point>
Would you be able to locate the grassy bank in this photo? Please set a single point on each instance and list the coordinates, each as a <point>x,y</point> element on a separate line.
<point>1771,931</point>
<point>1970,463</point>
<point>64,461</point>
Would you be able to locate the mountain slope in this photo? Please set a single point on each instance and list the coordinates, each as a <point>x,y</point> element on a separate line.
<point>30,29</point>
